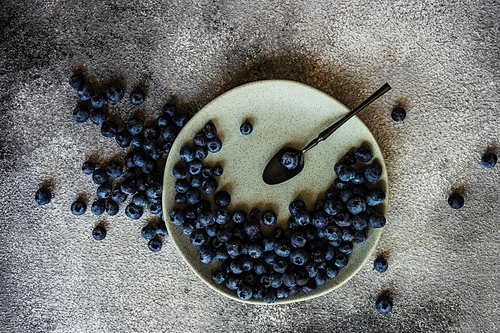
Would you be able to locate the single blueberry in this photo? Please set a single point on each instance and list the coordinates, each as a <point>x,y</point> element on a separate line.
<point>137,97</point>
<point>359,190</point>
<point>206,254</point>
<point>163,120</point>
<point>489,160</point>
<point>133,211</point>
<point>222,199</point>
<point>456,201</point>
<point>398,114</point>
<point>298,257</point>
<point>186,153</point>
<point>200,139</point>
<point>134,126</point>
<point>218,170</point>
<point>360,221</point>
<point>384,304</point>
<point>195,167</point>
<point>169,133</point>
<point>76,81</point>
<point>320,219</point>
<point>114,169</point>
<point>302,218</point>
<point>154,190</point>
<point>98,116</point>
<point>244,292</point>
<point>218,276</point>
<point>332,207</point>
<point>188,226</point>
<point>233,281</point>
<point>81,114</point>
<point>377,221</point>
<point>98,101</point>
<point>375,197</point>
<point>289,160</point>
<point>210,130</point>
<point>128,187</point>
<point>196,181</point>
<point>214,145</point>
<point>359,237</point>
<point>332,233</point>
<point>99,176</point>
<point>347,173</point>
<point>180,198</point>
<point>345,195</point>
<point>148,231</point>
<point>343,219</point>
<point>209,186</point>
<point>269,218</point>
<point>252,227</point>
<point>356,205</point>
<point>380,264</point>
<point>359,176</point>
<point>85,92</point>
<point>151,132</point>
<point>201,152</point>
<point>99,233</point>
<point>239,216</point>
<point>340,260</point>
<point>180,118</point>
<point>88,168</point>
<point>207,172</point>
<point>114,93</point>
<point>118,196</point>
<point>246,128</point>
<point>98,207</point>
<point>321,277</point>
<point>140,199</point>
<point>155,244</point>
<point>123,139</point>
<point>234,247</point>
<point>78,207</point>
<point>345,247</point>
<point>363,154</point>
<point>373,172</point>
<point>104,191</point>
<point>193,196</point>
<point>169,109</point>
<point>109,129</point>
<point>298,240</point>
<point>112,208</point>
<point>180,171</point>
<point>282,247</point>
<point>295,206</point>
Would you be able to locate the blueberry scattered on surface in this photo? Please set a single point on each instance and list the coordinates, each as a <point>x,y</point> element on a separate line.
<point>134,126</point>
<point>98,207</point>
<point>384,304</point>
<point>85,92</point>
<point>98,101</point>
<point>246,128</point>
<point>109,129</point>
<point>76,81</point>
<point>136,97</point>
<point>112,208</point>
<point>88,168</point>
<point>78,207</point>
<point>81,114</point>
<point>380,264</point>
<point>104,191</point>
<point>99,233</point>
<point>398,114</point>
<point>133,211</point>
<point>489,160</point>
<point>114,93</point>
<point>161,228</point>
<point>97,116</point>
<point>169,109</point>
<point>100,176</point>
<point>456,201</point>
<point>155,244</point>
<point>148,231</point>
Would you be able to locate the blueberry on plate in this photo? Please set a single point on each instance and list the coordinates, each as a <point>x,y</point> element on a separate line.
<point>456,201</point>
<point>356,205</point>
<point>489,160</point>
<point>76,81</point>
<point>289,160</point>
<point>214,145</point>
<point>210,130</point>
<point>200,140</point>
<point>218,170</point>
<point>218,276</point>
<point>377,221</point>
<point>98,101</point>
<point>359,237</point>
<point>85,92</point>
<point>81,114</point>
<point>269,218</point>
<point>99,233</point>
<point>296,205</point>
<point>373,172</point>
<point>384,304</point>
<point>209,186</point>
<point>363,154</point>
<point>398,114</point>
<point>186,153</point>
<point>380,264</point>
<point>109,129</point>
<point>222,199</point>
<point>114,93</point>
<point>347,173</point>
<point>206,254</point>
<point>151,132</point>
<point>198,237</point>
<point>136,97</point>
<point>244,292</point>
<point>155,244</point>
<point>246,128</point>
<point>78,207</point>
<point>349,159</point>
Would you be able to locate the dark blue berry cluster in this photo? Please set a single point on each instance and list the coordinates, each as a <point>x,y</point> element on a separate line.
<point>138,181</point>
<point>315,246</point>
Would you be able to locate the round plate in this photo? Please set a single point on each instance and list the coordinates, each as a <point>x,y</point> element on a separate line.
<point>282,113</point>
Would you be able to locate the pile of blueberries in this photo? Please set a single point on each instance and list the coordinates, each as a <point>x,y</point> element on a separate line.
<point>141,177</point>
<point>316,244</point>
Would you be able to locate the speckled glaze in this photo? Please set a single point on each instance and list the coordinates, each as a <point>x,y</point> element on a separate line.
<point>282,113</point>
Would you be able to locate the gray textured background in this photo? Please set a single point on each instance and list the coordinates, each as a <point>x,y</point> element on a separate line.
<point>442,60</point>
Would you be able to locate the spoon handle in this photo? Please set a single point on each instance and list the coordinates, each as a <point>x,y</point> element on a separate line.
<point>326,133</point>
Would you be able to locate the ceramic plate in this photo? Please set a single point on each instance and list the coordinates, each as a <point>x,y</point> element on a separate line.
<point>282,113</point>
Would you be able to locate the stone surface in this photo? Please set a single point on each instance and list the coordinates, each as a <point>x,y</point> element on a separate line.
<point>442,60</point>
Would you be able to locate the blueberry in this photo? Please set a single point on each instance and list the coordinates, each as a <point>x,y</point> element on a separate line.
<point>359,237</point>
<point>169,133</point>
<point>151,132</point>
<point>377,221</point>
<point>289,160</point>
<point>164,120</point>
<point>180,171</point>
<point>155,244</point>
<point>43,196</point>
<point>136,97</point>
<point>210,130</point>
<point>195,167</point>
<point>360,221</point>
<point>200,139</point>
<point>319,219</point>
<point>133,211</point>
<point>88,168</point>
<point>340,260</point>
<point>303,218</point>
<point>109,129</point>
<point>398,114</point>
<point>339,184</point>
<point>206,254</point>
<point>148,144</point>
<point>333,233</point>
<point>156,153</point>
<point>246,128</point>
<point>97,116</point>
<point>104,191</point>
<point>250,278</point>
<point>375,197</point>
<point>282,247</point>
<point>373,172</point>
<point>114,170</point>
<point>233,282</point>
<point>209,186</point>
<point>207,172</point>
<point>275,279</point>
<point>123,138</point>
<point>489,160</point>
<point>206,217</point>
<point>239,216</point>
<point>202,205</point>
<point>363,154</point>
<point>181,185</point>
<point>118,196</point>
<point>345,195</point>
<point>188,226</point>
<point>98,101</point>
<point>346,247</point>
<point>252,227</point>
<point>244,292</point>
<point>180,118</point>
<point>298,257</point>
<point>359,177</point>
<point>236,267</point>
<point>148,231</point>
<point>137,140</point>
<point>114,93</point>
<point>76,81</point>
<point>99,176</point>
<point>78,207</point>
<point>269,295</point>
<point>338,166</point>
<point>331,193</point>
<point>214,145</point>
<point>186,153</point>
<point>456,201</point>
<point>380,265</point>
<point>140,199</point>
<point>85,92</point>
<point>343,219</point>
<point>81,114</point>
<point>98,207</point>
<point>99,233</point>
<point>234,247</point>
<point>346,173</point>
<point>134,126</point>
<point>321,277</point>
<point>128,187</point>
<point>154,190</point>
<point>154,208</point>
<point>255,250</point>
<point>201,152</point>
<point>296,205</point>
<point>218,170</point>
<point>356,205</point>
<point>112,208</point>
<point>222,199</point>
<point>302,277</point>
<point>169,109</point>
<point>332,207</point>
<point>331,270</point>
<point>384,304</point>
<point>349,159</point>
<point>218,276</point>
<point>193,196</point>
<point>269,218</point>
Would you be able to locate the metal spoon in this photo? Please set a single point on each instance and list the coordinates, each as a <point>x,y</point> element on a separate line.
<point>276,173</point>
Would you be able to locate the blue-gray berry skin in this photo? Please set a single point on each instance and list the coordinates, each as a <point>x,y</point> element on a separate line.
<point>114,169</point>
<point>380,265</point>
<point>489,160</point>
<point>137,97</point>
<point>398,114</point>
<point>155,244</point>
<point>148,231</point>
<point>363,154</point>
<point>456,201</point>
<point>206,254</point>
<point>133,211</point>
<point>169,109</point>
<point>269,218</point>
<point>169,133</point>
<point>346,173</point>
<point>375,197</point>
<point>99,176</point>
<point>78,208</point>
<point>85,92</point>
<point>222,199</point>
<point>359,237</point>
<point>246,128</point>
<point>349,159</point>
<point>214,145</point>
<point>180,118</point>
<point>114,93</point>
<point>210,130</point>
<point>43,196</point>
<point>98,101</point>
<point>109,129</point>
<point>161,228</point>
<point>81,114</point>
<point>99,233</point>
<point>339,184</point>
<point>76,81</point>
<point>218,276</point>
<point>377,221</point>
<point>373,172</point>
<point>112,208</point>
<point>289,160</point>
<point>98,207</point>
<point>104,191</point>
<point>98,116</point>
<point>384,304</point>
<point>356,205</point>
<point>199,237</point>
<point>134,126</point>
<point>88,168</point>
